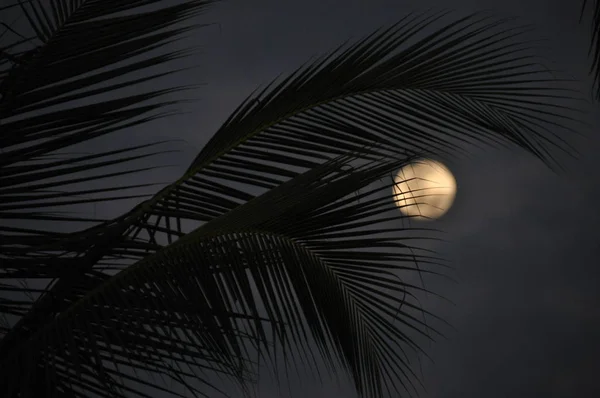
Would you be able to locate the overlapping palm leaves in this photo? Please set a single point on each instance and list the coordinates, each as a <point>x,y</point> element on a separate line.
<point>77,58</point>
<point>79,53</point>
<point>269,212</point>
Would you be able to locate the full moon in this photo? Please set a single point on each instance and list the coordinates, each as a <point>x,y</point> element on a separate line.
<point>424,189</point>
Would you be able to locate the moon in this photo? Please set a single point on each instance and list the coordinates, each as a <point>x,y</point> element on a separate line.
<point>424,189</point>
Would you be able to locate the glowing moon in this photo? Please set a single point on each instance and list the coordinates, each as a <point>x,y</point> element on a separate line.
<point>424,189</point>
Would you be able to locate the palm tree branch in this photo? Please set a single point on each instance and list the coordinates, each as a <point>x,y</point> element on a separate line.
<point>311,119</point>
<point>61,70</point>
<point>256,233</point>
<point>594,46</point>
<point>51,76</point>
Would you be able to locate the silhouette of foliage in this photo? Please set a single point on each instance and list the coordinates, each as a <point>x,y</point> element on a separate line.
<point>308,262</point>
<point>594,48</point>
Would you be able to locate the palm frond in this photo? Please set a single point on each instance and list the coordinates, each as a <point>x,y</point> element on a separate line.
<point>594,47</point>
<point>458,89</point>
<point>404,89</point>
<point>468,82</point>
<point>83,46</point>
<point>57,92</point>
<point>308,274</point>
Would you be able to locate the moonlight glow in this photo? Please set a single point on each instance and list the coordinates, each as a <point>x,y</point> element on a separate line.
<point>424,189</point>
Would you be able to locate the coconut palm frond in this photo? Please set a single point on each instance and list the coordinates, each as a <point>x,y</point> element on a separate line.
<point>468,82</point>
<point>594,47</point>
<point>62,88</point>
<point>413,88</point>
<point>61,94</point>
<point>314,269</point>
<point>115,346</point>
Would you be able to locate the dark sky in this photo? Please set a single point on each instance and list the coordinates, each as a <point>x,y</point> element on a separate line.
<point>523,239</point>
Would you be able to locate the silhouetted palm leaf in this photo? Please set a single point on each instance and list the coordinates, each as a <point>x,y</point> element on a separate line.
<point>78,52</point>
<point>466,82</point>
<point>594,48</point>
<point>289,227</point>
<point>54,96</point>
<point>294,241</point>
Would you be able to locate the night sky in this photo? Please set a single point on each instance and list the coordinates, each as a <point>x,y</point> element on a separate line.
<point>523,240</point>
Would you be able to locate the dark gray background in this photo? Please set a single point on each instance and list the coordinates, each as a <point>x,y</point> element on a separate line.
<point>523,240</point>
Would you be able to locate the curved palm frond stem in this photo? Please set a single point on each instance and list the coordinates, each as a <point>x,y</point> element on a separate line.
<point>315,266</point>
